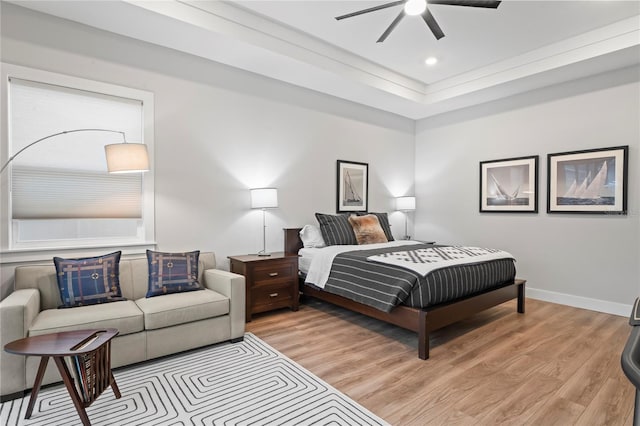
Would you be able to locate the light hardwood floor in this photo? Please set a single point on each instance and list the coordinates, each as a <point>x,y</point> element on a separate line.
<point>554,365</point>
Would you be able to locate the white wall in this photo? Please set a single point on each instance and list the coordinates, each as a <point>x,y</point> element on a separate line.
<point>589,261</point>
<point>220,131</point>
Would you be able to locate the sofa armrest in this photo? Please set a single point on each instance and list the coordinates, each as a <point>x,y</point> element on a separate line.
<point>230,285</point>
<point>17,312</point>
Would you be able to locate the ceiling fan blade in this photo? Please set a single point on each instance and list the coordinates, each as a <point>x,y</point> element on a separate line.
<point>391,27</point>
<point>469,3</point>
<point>371,9</point>
<point>433,25</point>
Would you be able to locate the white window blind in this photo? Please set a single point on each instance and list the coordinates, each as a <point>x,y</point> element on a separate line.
<point>60,187</point>
<point>39,193</point>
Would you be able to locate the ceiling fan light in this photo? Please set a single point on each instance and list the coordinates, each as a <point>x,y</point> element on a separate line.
<point>415,7</point>
<point>431,60</point>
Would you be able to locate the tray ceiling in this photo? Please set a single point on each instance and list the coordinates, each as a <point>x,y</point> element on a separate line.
<point>486,53</point>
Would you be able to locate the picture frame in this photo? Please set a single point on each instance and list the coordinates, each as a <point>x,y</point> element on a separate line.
<point>509,185</point>
<point>592,181</point>
<point>352,192</point>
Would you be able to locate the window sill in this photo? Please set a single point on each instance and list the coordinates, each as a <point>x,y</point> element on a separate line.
<point>8,257</point>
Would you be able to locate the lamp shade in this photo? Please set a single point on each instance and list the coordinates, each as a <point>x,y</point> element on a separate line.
<point>264,198</point>
<point>127,157</point>
<point>406,203</point>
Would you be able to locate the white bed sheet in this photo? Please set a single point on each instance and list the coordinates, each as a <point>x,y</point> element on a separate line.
<point>319,260</point>
<point>304,261</point>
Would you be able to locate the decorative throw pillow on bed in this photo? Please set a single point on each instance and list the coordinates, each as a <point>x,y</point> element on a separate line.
<point>89,280</point>
<point>383,218</point>
<point>367,229</point>
<point>312,237</point>
<point>336,229</point>
<point>172,272</point>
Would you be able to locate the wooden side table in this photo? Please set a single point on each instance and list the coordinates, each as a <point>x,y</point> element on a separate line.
<point>271,281</point>
<point>90,356</point>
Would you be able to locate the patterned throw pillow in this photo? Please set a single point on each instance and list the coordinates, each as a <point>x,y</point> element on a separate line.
<point>367,229</point>
<point>89,280</point>
<point>172,272</point>
<point>384,223</point>
<point>336,230</point>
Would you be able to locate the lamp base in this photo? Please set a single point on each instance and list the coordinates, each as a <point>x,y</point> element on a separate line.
<point>406,237</point>
<point>263,253</point>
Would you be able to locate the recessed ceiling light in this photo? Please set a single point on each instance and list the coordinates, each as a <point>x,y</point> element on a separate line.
<point>415,7</point>
<point>431,60</point>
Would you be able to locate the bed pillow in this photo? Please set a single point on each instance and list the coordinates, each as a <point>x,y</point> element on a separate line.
<point>89,280</point>
<point>336,229</point>
<point>172,272</point>
<point>312,237</point>
<point>383,218</point>
<point>367,229</point>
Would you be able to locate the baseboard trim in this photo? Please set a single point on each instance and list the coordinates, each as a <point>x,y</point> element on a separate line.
<point>15,395</point>
<point>580,302</point>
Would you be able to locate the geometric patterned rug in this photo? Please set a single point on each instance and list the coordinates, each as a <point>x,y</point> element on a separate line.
<point>245,383</point>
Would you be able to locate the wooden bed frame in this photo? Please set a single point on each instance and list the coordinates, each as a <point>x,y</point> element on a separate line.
<point>418,320</point>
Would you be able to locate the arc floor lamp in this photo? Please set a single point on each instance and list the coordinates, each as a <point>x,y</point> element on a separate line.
<point>122,157</point>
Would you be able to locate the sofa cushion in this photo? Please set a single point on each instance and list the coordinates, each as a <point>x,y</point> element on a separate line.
<point>89,280</point>
<point>172,272</point>
<point>125,316</point>
<point>180,308</point>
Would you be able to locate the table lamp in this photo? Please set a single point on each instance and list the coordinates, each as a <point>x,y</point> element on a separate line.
<point>406,204</point>
<point>264,198</point>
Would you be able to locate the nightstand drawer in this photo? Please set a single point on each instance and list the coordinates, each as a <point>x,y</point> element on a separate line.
<point>269,296</point>
<point>273,271</point>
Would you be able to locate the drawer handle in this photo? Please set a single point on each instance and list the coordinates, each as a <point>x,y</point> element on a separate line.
<point>273,295</point>
<point>273,274</point>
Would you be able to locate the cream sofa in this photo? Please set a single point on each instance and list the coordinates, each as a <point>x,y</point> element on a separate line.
<point>149,328</point>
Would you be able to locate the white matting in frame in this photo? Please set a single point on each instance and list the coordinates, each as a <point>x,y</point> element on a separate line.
<point>509,185</point>
<point>590,181</point>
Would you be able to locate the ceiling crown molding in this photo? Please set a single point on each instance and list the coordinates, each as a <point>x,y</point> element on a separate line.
<point>230,34</point>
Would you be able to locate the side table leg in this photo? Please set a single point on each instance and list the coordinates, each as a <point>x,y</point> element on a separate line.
<point>114,386</point>
<point>68,382</point>
<point>36,386</point>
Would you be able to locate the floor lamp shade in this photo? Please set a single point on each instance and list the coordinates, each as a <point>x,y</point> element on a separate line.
<point>127,157</point>
<point>406,203</point>
<point>264,198</point>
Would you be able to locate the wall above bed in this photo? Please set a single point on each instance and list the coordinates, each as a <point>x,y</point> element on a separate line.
<point>580,260</point>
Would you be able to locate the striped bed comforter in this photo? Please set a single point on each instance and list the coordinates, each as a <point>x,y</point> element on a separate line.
<point>384,286</point>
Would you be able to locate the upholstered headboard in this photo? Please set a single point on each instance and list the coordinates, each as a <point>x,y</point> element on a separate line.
<point>292,241</point>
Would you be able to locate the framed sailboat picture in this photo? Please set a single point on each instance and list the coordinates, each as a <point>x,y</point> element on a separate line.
<point>509,185</point>
<point>353,187</point>
<point>590,181</point>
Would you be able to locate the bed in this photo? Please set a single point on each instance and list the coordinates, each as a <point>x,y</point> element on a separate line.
<point>420,319</point>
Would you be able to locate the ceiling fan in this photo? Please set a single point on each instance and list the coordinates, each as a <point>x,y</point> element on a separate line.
<point>419,7</point>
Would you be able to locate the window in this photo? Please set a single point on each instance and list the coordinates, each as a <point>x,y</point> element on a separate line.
<point>59,193</point>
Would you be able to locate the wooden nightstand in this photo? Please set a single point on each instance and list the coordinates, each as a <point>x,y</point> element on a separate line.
<point>271,281</point>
